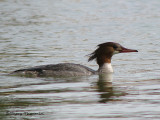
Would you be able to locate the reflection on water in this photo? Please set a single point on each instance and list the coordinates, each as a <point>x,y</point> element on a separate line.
<point>105,87</point>
<point>107,91</point>
<point>54,97</point>
<point>54,31</point>
<point>53,92</point>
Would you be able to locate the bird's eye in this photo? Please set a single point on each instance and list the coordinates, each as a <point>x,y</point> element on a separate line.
<point>115,47</point>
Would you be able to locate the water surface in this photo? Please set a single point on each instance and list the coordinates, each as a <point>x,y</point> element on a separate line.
<point>56,31</point>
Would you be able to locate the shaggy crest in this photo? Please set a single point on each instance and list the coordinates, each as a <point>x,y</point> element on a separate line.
<point>102,50</point>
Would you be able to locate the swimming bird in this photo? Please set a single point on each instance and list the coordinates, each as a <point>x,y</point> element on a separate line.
<point>102,55</point>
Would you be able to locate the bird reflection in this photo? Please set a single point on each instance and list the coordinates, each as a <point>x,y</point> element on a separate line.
<point>105,87</point>
<point>107,91</point>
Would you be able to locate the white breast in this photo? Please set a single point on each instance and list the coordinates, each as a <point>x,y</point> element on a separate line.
<point>106,68</point>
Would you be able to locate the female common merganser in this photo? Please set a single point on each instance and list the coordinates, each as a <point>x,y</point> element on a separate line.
<point>102,54</point>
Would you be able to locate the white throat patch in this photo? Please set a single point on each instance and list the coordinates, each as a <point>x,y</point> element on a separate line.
<point>115,52</point>
<point>106,68</point>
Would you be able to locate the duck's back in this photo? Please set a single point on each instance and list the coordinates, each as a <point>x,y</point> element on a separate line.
<point>55,70</point>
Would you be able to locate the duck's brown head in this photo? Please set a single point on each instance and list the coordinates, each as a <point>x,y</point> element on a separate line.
<point>105,51</point>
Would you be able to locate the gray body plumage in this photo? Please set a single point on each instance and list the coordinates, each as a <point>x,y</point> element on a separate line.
<point>55,70</point>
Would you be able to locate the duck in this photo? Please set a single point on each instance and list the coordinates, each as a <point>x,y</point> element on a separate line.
<point>103,55</point>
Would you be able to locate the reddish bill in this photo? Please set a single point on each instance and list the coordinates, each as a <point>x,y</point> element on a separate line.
<point>126,50</point>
